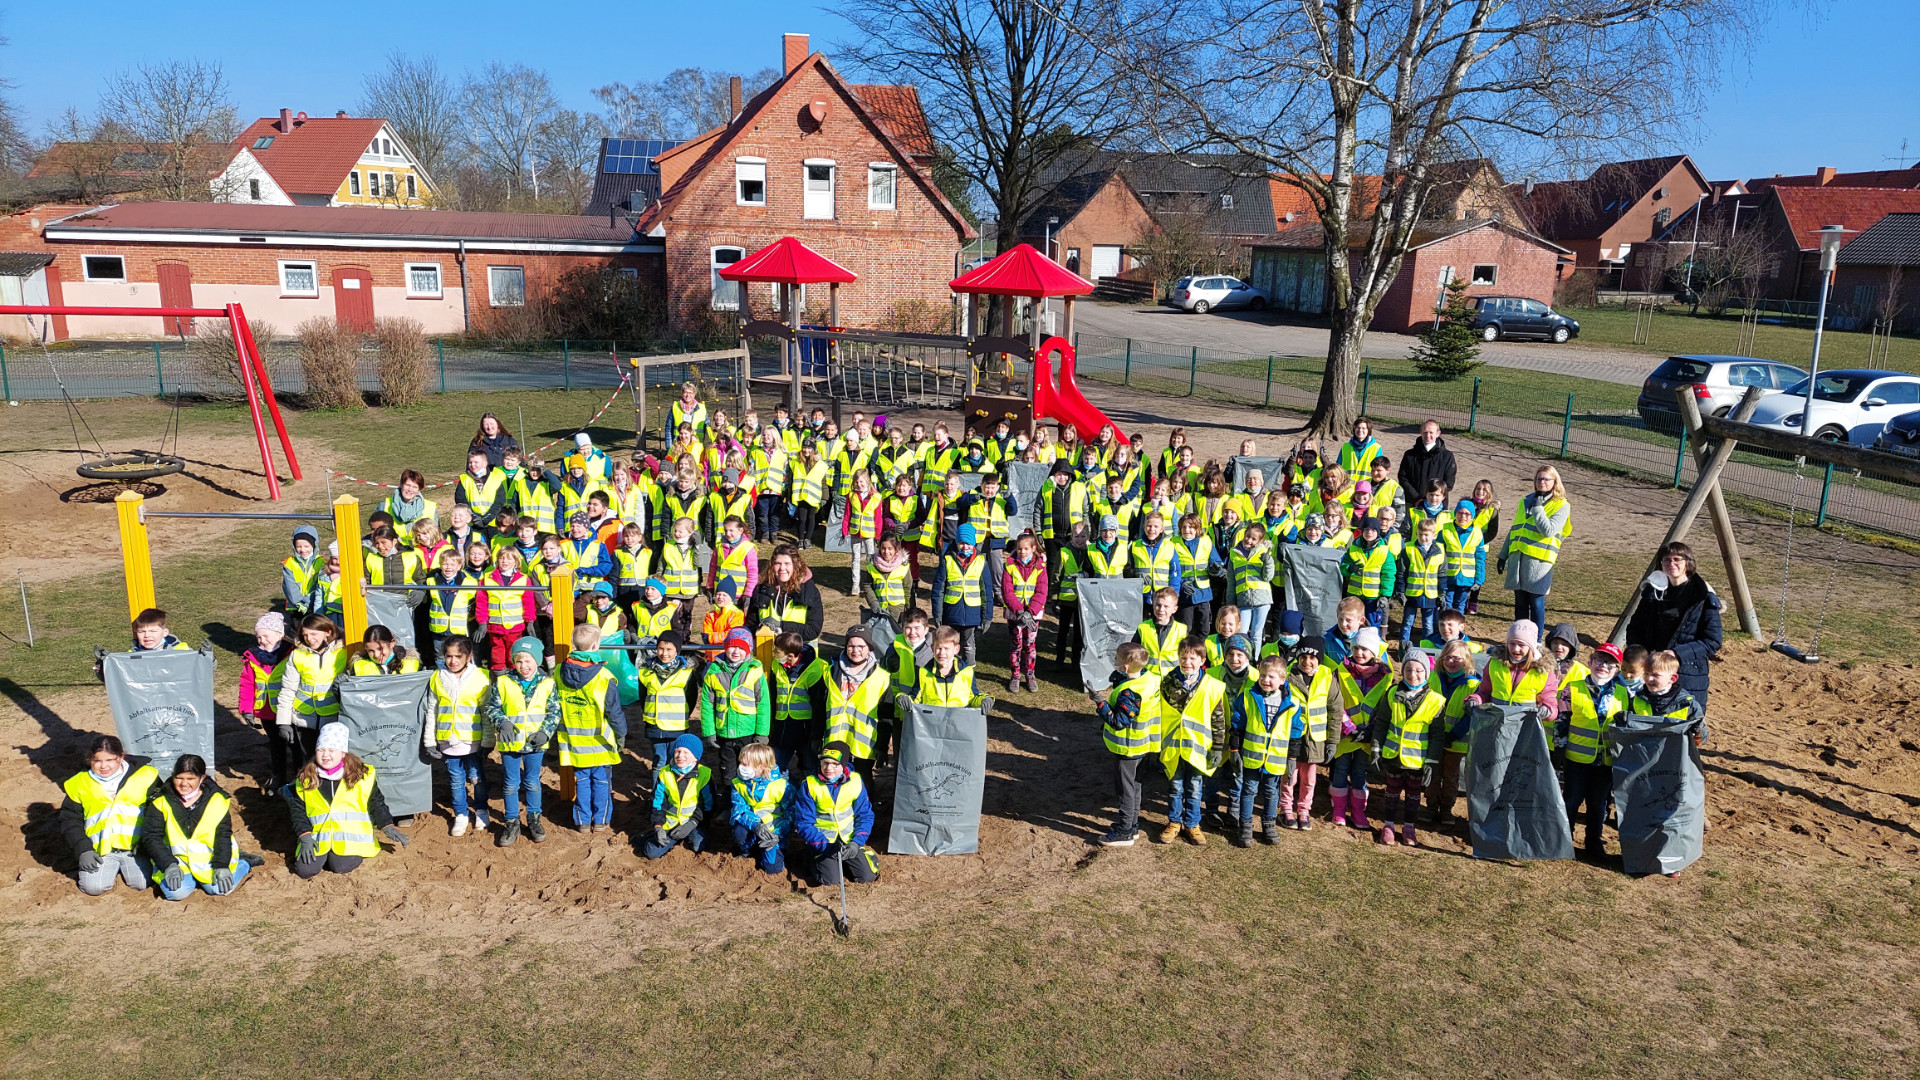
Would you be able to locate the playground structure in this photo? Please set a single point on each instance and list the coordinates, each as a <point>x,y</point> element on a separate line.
<point>142,465</point>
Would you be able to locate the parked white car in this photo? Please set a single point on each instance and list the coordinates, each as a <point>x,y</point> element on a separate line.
<point>1203,294</point>
<point>1849,405</point>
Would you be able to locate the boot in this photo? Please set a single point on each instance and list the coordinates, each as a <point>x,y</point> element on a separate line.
<point>1196,837</point>
<point>1408,838</point>
<point>1271,832</point>
<point>1357,804</point>
<point>1338,796</point>
<point>536,831</point>
<point>1384,836</point>
<point>509,833</point>
<point>1246,833</point>
<point>1171,833</point>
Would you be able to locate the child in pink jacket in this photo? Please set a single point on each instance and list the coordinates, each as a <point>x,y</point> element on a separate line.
<point>1023,589</point>
<point>255,706</point>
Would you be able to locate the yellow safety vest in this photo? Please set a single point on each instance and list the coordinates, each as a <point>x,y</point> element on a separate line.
<point>314,673</point>
<point>697,416</point>
<point>1406,739</point>
<point>1361,703</point>
<point>954,692</point>
<point>1526,540</point>
<point>403,526</point>
<point>810,485</point>
<point>586,738</point>
<point>1186,734</point>
<point>737,692</point>
<point>504,606</point>
<point>1588,719</point>
<point>410,568</point>
<point>769,470</point>
<point>1423,572</point>
<point>1263,748</point>
<point>1026,582</point>
<point>767,806</point>
<point>850,716</point>
<point>524,714</point>
<point>683,793</point>
<point>732,566</point>
<point>450,620</point>
<point>196,850</point>
<point>1163,646</point>
<point>891,586</point>
<point>989,517</point>
<point>1462,549</point>
<point>456,708</point>
<point>935,464</point>
<point>690,505</point>
<point>1369,565</point>
<point>1501,689</point>
<point>113,821</point>
<point>363,665</point>
<point>1384,492</point>
<point>906,669</point>
<point>722,508</point>
<point>1356,463</point>
<point>631,568</point>
<point>666,708</point>
<point>1315,697</point>
<point>304,576</point>
<point>903,513</point>
<point>678,570</point>
<point>1155,564</point>
<point>965,584</point>
<point>648,623</point>
<point>834,811</point>
<point>1141,736</point>
<point>1248,568</point>
<point>344,826</point>
<point>791,698</point>
<point>861,514</point>
<point>534,499</point>
<point>483,494</point>
<point>1457,709</point>
<point>1108,563</point>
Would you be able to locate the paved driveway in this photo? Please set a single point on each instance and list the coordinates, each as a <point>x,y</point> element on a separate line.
<point>1258,335</point>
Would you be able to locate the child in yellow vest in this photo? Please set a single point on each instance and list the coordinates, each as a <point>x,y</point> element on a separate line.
<point>762,801</point>
<point>1190,701</point>
<point>682,798</point>
<point>1580,737</point>
<point>455,734</point>
<point>1162,634</point>
<point>1403,732</point>
<point>335,805</point>
<point>522,708</point>
<point>1129,718</point>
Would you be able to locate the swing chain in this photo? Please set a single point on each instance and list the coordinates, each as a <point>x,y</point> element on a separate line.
<point>1786,558</point>
<point>1833,572</point>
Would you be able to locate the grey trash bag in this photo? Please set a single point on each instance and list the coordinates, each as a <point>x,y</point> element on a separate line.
<point>389,609</point>
<point>385,715</point>
<point>942,776</point>
<point>1110,610</point>
<point>835,541</point>
<point>882,630</point>
<point>162,703</point>
<point>1271,469</point>
<point>1313,585</point>
<point>1025,480</point>
<point>1659,793</point>
<point>1514,809</point>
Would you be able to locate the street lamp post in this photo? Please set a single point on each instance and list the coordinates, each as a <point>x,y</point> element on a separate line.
<point>1693,246</point>
<point>1831,237</point>
<point>1047,250</point>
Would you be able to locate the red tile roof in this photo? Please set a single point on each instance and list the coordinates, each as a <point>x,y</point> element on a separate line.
<point>313,158</point>
<point>1872,178</point>
<point>898,110</point>
<point>1807,209</point>
<point>1291,199</point>
<point>1583,209</point>
<point>350,221</point>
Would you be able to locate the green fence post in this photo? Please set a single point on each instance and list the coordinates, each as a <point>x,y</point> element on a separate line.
<point>1826,485</point>
<point>1366,386</point>
<point>1566,430</point>
<point>1473,410</point>
<point>1680,458</point>
<point>6,388</point>
<point>1193,370</point>
<point>1268,403</point>
<point>1127,378</point>
<point>440,345</point>
<point>159,373</point>
<point>566,365</point>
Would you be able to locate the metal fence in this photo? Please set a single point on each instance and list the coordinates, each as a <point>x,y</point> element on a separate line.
<point>1488,404</point>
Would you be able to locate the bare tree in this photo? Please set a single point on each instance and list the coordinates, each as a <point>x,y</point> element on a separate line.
<point>1015,90</point>
<point>567,150</point>
<point>1724,261</point>
<point>418,99</point>
<point>685,103</point>
<point>1320,93</point>
<point>83,151</point>
<point>505,106</point>
<point>180,110</point>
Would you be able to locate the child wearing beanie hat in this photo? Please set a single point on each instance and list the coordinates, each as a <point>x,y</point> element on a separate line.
<point>736,704</point>
<point>1365,680</point>
<point>522,708</point>
<point>255,704</point>
<point>1401,733</point>
<point>333,794</point>
<point>832,814</point>
<point>962,592</point>
<point>682,796</point>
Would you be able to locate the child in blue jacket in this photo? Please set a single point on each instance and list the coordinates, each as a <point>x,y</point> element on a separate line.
<point>831,813</point>
<point>762,808</point>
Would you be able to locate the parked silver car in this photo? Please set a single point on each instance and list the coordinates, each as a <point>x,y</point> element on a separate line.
<point>1718,384</point>
<point>1202,294</point>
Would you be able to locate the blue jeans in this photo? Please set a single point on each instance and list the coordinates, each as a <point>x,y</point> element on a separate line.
<point>1529,605</point>
<point>1253,623</point>
<point>187,887</point>
<point>1262,787</point>
<point>1457,597</point>
<point>1349,771</point>
<point>460,769</point>
<point>1188,798</point>
<point>1421,612</point>
<point>769,862</point>
<point>696,842</point>
<point>523,779</point>
<point>593,795</point>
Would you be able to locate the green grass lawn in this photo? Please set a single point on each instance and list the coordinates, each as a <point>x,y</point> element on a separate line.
<point>1676,331</point>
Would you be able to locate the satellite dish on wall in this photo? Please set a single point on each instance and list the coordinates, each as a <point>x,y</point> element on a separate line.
<point>818,110</point>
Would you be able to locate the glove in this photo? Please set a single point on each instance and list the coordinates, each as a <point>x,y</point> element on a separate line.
<point>1347,726</point>
<point>1375,748</point>
<point>759,740</point>
<point>764,832</point>
<point>986,706</point>
<point>659,837</point>
<point>249,719</point>
<point>1501,565</point>
<point>1560,742</point>
<point>684,829</point>
<point>90,861</point>
<point>308,849</point>
<point>175,878</point>
<point>538,740</point>
<point>223,879</point>
<point>711,744</point>
<point>434,751</point>
<point>394,834</point>
<point>289,735</point>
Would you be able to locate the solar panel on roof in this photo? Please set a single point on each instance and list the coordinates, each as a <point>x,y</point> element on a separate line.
<point>632,155</point>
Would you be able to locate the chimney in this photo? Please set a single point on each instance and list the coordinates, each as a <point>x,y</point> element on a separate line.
<point>794,50</point>
<point>341,115</point>
<point>286,121</point>
<point>1823,175</point>
<point>733,97</point>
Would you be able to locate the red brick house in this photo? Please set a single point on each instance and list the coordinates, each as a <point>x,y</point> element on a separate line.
<point>287,264</point>
<point>1497,258</point>
<point>1621,204</point>
<point>1095,216</point>
<point>840,166</point>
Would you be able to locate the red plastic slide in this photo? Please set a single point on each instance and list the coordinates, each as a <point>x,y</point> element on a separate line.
<point>1065,402</point>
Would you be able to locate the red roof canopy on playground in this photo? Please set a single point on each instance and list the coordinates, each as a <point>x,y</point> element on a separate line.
<point>787,261</point>
<point>1021,271</point>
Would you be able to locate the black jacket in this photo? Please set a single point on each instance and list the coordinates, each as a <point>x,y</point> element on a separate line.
<point>809,597</point>
<point>796,735</point>
<point>1420,467</point>
<point>1686,620</point>
<point>495,447</point>
<point>154,833</point>
<point>376,805</point>
<point>73,820</point>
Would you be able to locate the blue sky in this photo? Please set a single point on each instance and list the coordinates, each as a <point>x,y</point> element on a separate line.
<point>1827,84</point>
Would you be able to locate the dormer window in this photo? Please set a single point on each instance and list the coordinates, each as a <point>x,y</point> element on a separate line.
<point>263,142</point>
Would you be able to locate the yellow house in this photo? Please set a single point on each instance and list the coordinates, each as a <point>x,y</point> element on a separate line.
<point>297,160</point>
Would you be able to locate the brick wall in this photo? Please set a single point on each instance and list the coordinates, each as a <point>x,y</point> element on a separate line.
<point>1525,269</point>
<point>1113,216</point>
<point>903,254</point>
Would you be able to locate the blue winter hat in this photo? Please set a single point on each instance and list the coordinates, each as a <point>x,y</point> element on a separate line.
<point>1467,505</point>
<point>602,587</point>
<point>690,743</point>
<point>965,534</point>
<point>655,583</point>
<point>312,535</point>
<point>1240,642</point>
<point>529,645</point>
<point>1292,622</point>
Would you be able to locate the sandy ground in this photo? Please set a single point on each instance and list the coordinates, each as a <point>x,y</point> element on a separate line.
<point>1805,763</point>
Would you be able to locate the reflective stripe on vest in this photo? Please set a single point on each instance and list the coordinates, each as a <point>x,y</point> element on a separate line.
<point>1462,549</point>
<point>890,586</point>
<point>791,692</point>
<point>1155,564</point>
<point>524,715</point>
<point>739,689</point>
<point>1026,583</point>
<point>1315,698</point>
<point>113,822</point>
<point>906,669</point>
<point>809,485</point>
<point>506,608</point>
<point>1369,565</point>
<point>342,827</point>
<point>1141,736</point>
<point>1163,646</point>
<point>1588,719</point>
<point>631,568</point>
<point>313,692</point>
<point>834,811</point>
<point>862,510</point>
<point>197,850</point>
<point>1186,734</point>
<point>935,466</point>
<point>679,574</point>
<point>1423,572</point>
<point>1528,541</point>
<point>989,516</point>
<point>965,583</point>
<point>535,499</point>
<point>955,692</point>
<point>666,707</point>
<point>483,494</point>
<point>901,513</point>
<point>456,709</point>
<point>682,799</point>
<point>1406,738</point>
<point>586,738</point>
<point>1248,567</point>
<point>1263,748</point>
<point>850,718</point>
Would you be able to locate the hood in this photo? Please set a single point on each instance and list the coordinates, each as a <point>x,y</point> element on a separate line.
<point>576,673</point>
<point>1565,632</point>
<point>312,534</point>
<point>1777,407</point>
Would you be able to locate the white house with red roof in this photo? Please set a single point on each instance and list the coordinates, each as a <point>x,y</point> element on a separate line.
<point>297,160</point>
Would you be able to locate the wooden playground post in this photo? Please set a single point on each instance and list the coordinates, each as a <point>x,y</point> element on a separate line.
<point>560,591</point>
<point>353,596</point>
<point>136,557</point>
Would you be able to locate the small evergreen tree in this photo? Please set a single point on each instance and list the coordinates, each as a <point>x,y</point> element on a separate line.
<point>1451,347</point>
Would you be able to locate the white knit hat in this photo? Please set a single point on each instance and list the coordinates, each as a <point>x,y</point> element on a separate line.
<point>333,737</point>
<point>272,622</point>
<point>582,440</point>
<point>1369,639</point>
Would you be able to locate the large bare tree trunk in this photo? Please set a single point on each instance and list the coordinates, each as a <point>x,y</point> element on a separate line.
<point>1335,412</point>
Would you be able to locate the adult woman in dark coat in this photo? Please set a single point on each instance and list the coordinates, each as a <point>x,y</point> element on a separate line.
<point>492,439</point>
<point>1679,611</point>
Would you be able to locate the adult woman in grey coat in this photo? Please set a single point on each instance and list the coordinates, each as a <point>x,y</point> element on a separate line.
<point>1542,521</point>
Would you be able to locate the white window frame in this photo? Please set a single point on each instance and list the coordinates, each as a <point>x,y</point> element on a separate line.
<point>86,267</point>
<point>353,182</point>
<point>743,173</point>
<point>312,268</point>
<point>493,289</point>
<point>393,189</point>
<point>876,169</point>
<point>1226,202</point>
<point>413,188</point>
<point>833,195</point>
<point>253,189</point>
<point>439,281</point>
<point>737,288</point>
<point>1492,279</point>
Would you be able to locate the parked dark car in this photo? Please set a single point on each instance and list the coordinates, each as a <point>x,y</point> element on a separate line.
<point>1901,435</point>
<point>1718,384</point>
<point>1499,317</point>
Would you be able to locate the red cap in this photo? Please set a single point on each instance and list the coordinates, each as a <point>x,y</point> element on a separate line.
<point>1610,651</point>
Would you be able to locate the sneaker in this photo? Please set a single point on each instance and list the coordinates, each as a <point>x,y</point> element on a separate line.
<point>1384,837</point>
<point>1013,685</point>
<point>509,834</point>
<point>481,821</point>
<point>253,860</point>
<point>1196,837</point>
<point>1033,684</point>
<point>1303,824</point>
<point>1171,833</point>
<point>459,825</point>
<point>1116,838</point>
<point>1290,822</point>
<point>536,829</point>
